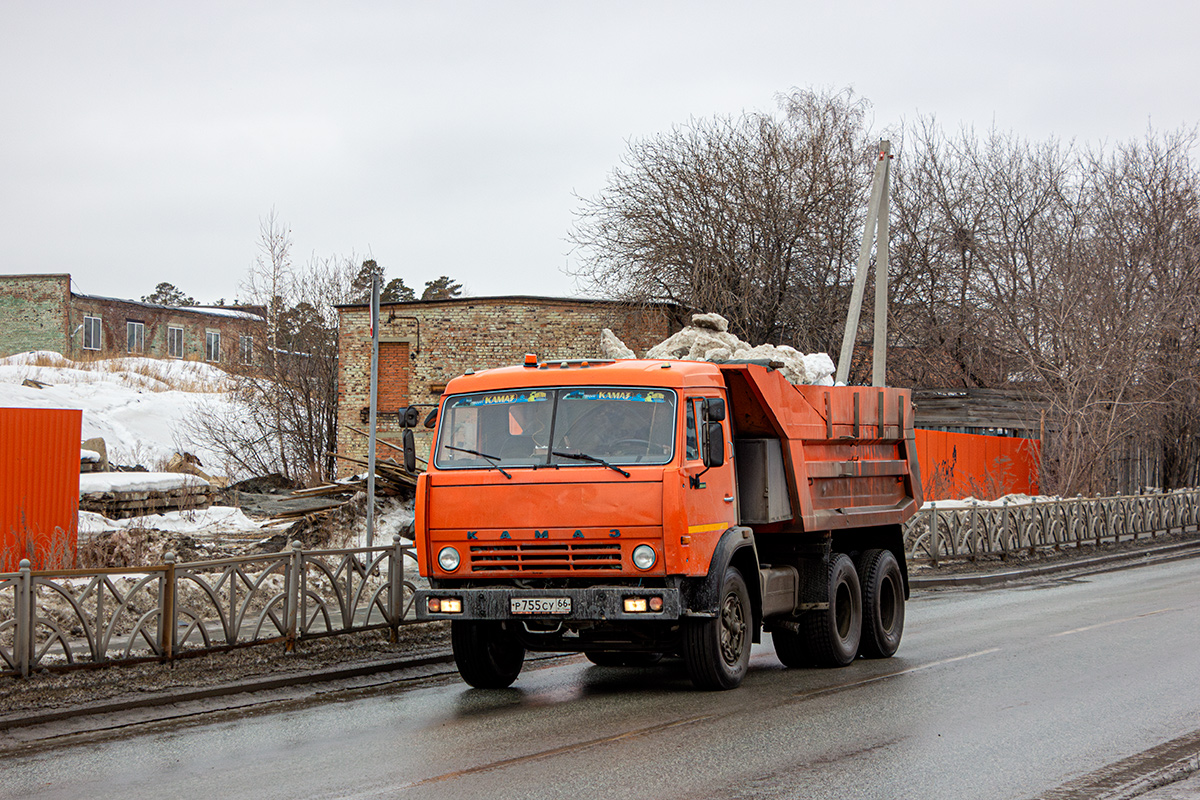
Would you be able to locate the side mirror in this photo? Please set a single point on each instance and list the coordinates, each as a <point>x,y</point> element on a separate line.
<point>409,417</point>
<point>431,418</point>
<point>409,443</point>
<point>715,408</point>
<point>714,443</point>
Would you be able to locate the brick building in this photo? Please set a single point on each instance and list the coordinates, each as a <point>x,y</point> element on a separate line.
<point>40,312</point>
<point>423,344</point>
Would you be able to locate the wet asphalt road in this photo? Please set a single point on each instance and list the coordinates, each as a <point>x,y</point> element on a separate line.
<point>1003,693</point>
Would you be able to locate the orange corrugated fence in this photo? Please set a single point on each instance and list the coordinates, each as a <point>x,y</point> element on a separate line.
<point>39,486</point>
<point>958,465</point>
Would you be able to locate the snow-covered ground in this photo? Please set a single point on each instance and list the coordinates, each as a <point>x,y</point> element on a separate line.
<point>140,407</point>
<point>137,405</point>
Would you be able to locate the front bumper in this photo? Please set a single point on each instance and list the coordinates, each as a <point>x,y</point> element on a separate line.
<point>594,603</point>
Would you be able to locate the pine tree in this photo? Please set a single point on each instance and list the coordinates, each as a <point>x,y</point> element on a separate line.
<point>165,294</point>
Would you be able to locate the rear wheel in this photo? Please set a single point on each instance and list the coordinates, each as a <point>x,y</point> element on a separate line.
<point>487,654</point>
<point>831,636</point>
<point>716,651</point>
<point>883,603</point>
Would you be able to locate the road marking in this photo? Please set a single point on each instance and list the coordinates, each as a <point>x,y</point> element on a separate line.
<point>1112,622</point>
<point>877,678</point>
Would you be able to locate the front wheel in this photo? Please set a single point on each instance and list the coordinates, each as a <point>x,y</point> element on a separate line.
<point>488,655</point>
<point>716,651</point>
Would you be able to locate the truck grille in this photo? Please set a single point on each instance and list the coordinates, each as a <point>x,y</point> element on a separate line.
<point>570,557</point>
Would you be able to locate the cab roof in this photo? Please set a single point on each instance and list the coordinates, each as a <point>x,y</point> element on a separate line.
<point>589,372</point>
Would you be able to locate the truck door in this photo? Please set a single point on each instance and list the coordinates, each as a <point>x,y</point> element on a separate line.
<point>709,497</point>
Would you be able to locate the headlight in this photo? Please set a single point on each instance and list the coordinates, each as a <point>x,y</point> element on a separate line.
<point>448,559</point>
<point>644,556</point>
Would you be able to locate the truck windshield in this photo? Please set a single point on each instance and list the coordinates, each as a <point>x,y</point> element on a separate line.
<point>526,428</point>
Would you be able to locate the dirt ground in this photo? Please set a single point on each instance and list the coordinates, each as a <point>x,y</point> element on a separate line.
<point>57,690</point>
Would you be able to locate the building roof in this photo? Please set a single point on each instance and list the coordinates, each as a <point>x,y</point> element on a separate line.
<point>510,298</point>
<point>212,311</point>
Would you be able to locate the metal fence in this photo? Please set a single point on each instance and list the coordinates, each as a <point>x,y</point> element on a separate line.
<point>67,619</point>
<point>62,619</point>
<point>937,534</point>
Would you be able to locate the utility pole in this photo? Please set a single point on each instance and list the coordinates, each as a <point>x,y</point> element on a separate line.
<point>874,232</point>
<point>374,396</point>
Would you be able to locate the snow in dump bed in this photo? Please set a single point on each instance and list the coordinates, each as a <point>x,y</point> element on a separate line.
<point>708,339</point>
<point>92,482</point>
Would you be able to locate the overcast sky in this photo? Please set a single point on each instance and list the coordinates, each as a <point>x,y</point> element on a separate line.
<point>143,142</point>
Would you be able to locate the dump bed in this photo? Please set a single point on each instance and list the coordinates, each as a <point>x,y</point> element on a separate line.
<point>848,453</point>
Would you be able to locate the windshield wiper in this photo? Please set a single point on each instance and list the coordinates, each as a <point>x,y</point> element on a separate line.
<point>493,461</point>
<point>593,459</point>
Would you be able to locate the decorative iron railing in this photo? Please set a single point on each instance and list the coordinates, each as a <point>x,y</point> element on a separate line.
<point>60,619</point>
<point>982,529</point>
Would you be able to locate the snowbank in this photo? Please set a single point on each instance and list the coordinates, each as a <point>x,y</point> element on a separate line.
<point>90,482</point>
<point>137,405</point>
<point>202,522</point>
<point>708,339</point>
<point>968,502</point>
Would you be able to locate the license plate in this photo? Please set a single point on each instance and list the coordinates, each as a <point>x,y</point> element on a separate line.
<point>539,605</point>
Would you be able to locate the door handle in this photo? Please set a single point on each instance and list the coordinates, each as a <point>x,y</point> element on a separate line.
<point>728,498</point>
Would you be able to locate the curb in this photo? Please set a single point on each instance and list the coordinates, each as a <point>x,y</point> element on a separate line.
<point>13,722</point>
<point>1180,549</point>
<point>9,722</point>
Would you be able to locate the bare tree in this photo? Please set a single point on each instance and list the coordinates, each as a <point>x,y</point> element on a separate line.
<point>756,217</point>
<point>287,407</point>
<point>1015,263</point>
<point>270,279</point>
<point>1146,202</point>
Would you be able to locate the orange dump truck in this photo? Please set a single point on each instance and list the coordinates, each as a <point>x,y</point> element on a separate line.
<point>633,509</point>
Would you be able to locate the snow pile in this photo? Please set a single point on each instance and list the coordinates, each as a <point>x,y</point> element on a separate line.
<point>91,482</point>
<point>612,347</point>
<point>137,405</point>
<point>153,374</point>
<point>209,521</point>
<point>708,339</point>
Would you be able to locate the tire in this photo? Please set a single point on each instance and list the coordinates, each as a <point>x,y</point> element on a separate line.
<point>832,635</point>
<point>883,603</point>
<point>488,656</point>
<point>610,658</point>
<point>716,652</point>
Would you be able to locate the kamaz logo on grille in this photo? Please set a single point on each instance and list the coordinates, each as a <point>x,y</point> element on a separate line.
<point>613,533</point>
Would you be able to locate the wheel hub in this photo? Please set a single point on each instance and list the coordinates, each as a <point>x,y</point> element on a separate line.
<point>733,630</point>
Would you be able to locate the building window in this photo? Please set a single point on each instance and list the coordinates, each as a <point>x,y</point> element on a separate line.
<point>175,342</point>
<point>91,333</point>
<point>135,337</point>
<point>246,349</point>
<point>212,346</point>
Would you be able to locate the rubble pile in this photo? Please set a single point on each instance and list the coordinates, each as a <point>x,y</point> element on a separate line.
<point>708,339</point>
